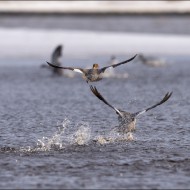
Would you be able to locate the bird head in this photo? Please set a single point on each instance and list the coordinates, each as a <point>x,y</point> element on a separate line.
<point>95,66</point>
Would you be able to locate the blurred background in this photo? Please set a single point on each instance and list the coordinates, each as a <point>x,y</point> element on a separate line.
<point>44,117</point>
<point>32,29</point>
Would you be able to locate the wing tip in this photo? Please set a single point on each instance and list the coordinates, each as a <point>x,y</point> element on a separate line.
<point>48,63</point>
<point>133,57</point>
<point>168,94</point>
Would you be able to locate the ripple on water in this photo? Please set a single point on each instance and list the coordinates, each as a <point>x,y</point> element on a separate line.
<point>161,136</point>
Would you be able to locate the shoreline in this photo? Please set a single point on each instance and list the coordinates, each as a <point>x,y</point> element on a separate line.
<point>75,13</point>
<point>95,7</point>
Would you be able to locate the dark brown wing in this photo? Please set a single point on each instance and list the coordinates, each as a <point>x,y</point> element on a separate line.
<point>115,65</point>
<point>56,54</point>
<point>166,97</point>
<point>98,95</point>
<point>69,68</point>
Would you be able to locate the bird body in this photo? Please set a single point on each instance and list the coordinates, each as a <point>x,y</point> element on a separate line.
<point>92,75</point>
<point>126,122</point>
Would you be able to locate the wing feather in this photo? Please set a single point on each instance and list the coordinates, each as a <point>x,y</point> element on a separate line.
<point>98,95</point>
<point>69,68</point>
<point>115,65</point>
<point>166,97</point>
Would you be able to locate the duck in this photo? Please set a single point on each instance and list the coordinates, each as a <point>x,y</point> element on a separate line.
<point>55,58</point>
<point>151,61</point>
<point>95,73</point>
<point>127,120</point>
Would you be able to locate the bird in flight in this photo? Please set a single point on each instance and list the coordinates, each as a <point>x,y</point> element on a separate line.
<point>94,74</point>
<point>127,120</point>
<point>57,53</point>
<point>55,58</point>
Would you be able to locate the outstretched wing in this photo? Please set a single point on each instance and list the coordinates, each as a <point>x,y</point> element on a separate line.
<point>115,65</point>
<point>98,95</point>
<point>57,53</point>
<point>166,97</point>
<point>79,70</point>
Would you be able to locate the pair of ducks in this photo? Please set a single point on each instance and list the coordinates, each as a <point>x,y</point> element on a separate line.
<point>126,120</point>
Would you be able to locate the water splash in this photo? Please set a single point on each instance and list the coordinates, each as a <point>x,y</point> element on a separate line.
<point>56,141</point>
<point>79,134</point>
<point>63,138</point>
<point>82,135</point>
<point>65,135</point>
<point>114,136</point>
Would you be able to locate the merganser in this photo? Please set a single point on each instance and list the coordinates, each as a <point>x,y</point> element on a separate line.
<point>94,74</point>
<point>127,120</point>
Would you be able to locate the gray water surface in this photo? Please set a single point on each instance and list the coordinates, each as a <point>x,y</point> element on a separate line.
<point>50,126</point>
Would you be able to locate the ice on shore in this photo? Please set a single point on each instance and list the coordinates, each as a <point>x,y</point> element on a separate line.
<point>38,43</point>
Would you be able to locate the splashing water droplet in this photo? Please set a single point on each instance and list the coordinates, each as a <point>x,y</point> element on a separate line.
<point>82,135</point>
<point>129,136</point>
<point>114,136</point>
<point>101,140</point>
<point>56,141</point>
